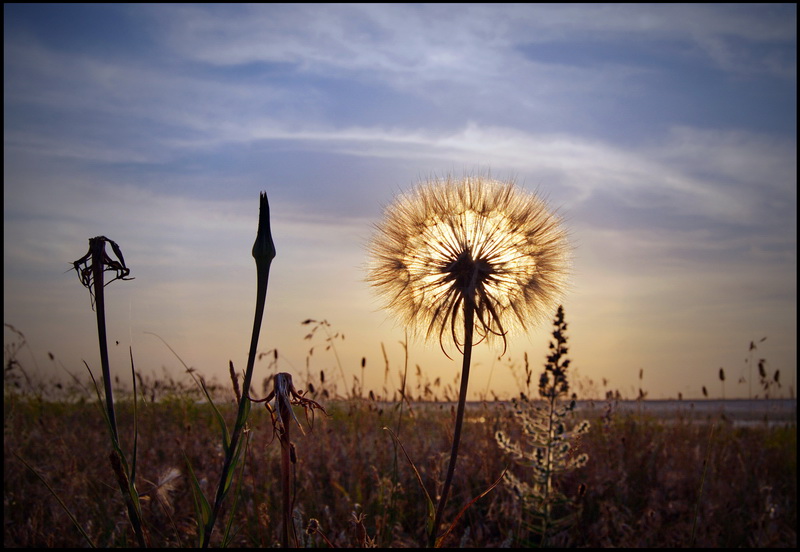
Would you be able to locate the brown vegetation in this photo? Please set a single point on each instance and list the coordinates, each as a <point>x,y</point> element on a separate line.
<point>640,487</point>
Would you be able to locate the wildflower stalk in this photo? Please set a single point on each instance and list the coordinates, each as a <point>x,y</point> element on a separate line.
<point>263,252</point>
<point>548,465</point>
<point>551,390</point>
<point>550,444</point>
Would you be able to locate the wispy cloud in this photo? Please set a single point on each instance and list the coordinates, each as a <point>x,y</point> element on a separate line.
<point>447,41</point>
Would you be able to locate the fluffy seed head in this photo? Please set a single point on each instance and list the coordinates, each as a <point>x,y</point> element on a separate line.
<point>478,241</point>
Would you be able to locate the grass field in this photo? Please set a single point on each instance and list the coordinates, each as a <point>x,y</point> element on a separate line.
<point>646,482</point>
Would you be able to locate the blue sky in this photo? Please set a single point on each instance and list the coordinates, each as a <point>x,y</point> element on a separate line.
<point>665,135</point>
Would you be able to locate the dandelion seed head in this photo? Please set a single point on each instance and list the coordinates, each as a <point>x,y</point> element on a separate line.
<point>479,241</point>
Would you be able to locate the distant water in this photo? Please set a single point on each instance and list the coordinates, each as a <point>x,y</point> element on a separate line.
<point>741,412</point>
<point>738,411</point>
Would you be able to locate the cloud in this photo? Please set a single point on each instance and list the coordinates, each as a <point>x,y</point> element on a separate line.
<point>440,40</point>
<point>725,175</point>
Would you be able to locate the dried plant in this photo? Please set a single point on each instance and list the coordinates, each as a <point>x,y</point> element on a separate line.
<point>549,448</point>
<point>285,395</point>
<point>314,528</point>
<point>162,489</point>
<point>91,269</point>
<point>471,258</point>
<point>330,343</point>
<point>768,382</point>
<point>749,362</point>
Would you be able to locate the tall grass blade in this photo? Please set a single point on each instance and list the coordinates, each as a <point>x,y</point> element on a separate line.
<point>201,505</point>
<point>58,498</point>
<point>440,540</point>
<point>428,501</point>
<point>135,425</point>
<point>702,483</point>
<point>228,536</point>
<point>201,384</point>
<point>125,481</point>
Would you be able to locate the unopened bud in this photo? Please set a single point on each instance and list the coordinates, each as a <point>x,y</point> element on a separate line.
<point>264,248</point>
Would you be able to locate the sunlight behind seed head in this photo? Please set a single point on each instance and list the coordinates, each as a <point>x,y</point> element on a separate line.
<point>474,239</point>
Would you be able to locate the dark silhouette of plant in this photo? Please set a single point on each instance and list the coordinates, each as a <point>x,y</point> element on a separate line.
<point>768,382</point>
<point>91,269</point>
<point>263,253</point>
<point>749,362</point>
<point>285,396</point>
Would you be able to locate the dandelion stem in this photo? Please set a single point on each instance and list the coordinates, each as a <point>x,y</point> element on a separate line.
<point>469,318</point>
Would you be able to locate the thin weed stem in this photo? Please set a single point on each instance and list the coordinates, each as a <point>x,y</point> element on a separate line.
<point>332,343</point>
<point>548,464</point>
<point>702,483</point>
<point>285,396</point>
<point>286,476</point>
<point>58,498</point>
<point>97,251</point>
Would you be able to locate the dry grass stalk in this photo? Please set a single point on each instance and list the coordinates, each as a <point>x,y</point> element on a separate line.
<point>285,395</point>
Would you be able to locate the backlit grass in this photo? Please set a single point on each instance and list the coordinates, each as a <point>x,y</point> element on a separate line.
<point>640,487</point>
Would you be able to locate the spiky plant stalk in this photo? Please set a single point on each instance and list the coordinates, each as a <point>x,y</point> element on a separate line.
<point>551,390</point>
<point>549,439</point>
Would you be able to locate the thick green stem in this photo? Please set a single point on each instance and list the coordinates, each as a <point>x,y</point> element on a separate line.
<point>469,317</point>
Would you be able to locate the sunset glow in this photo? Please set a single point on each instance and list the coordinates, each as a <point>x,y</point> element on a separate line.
<point>662,137</point>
